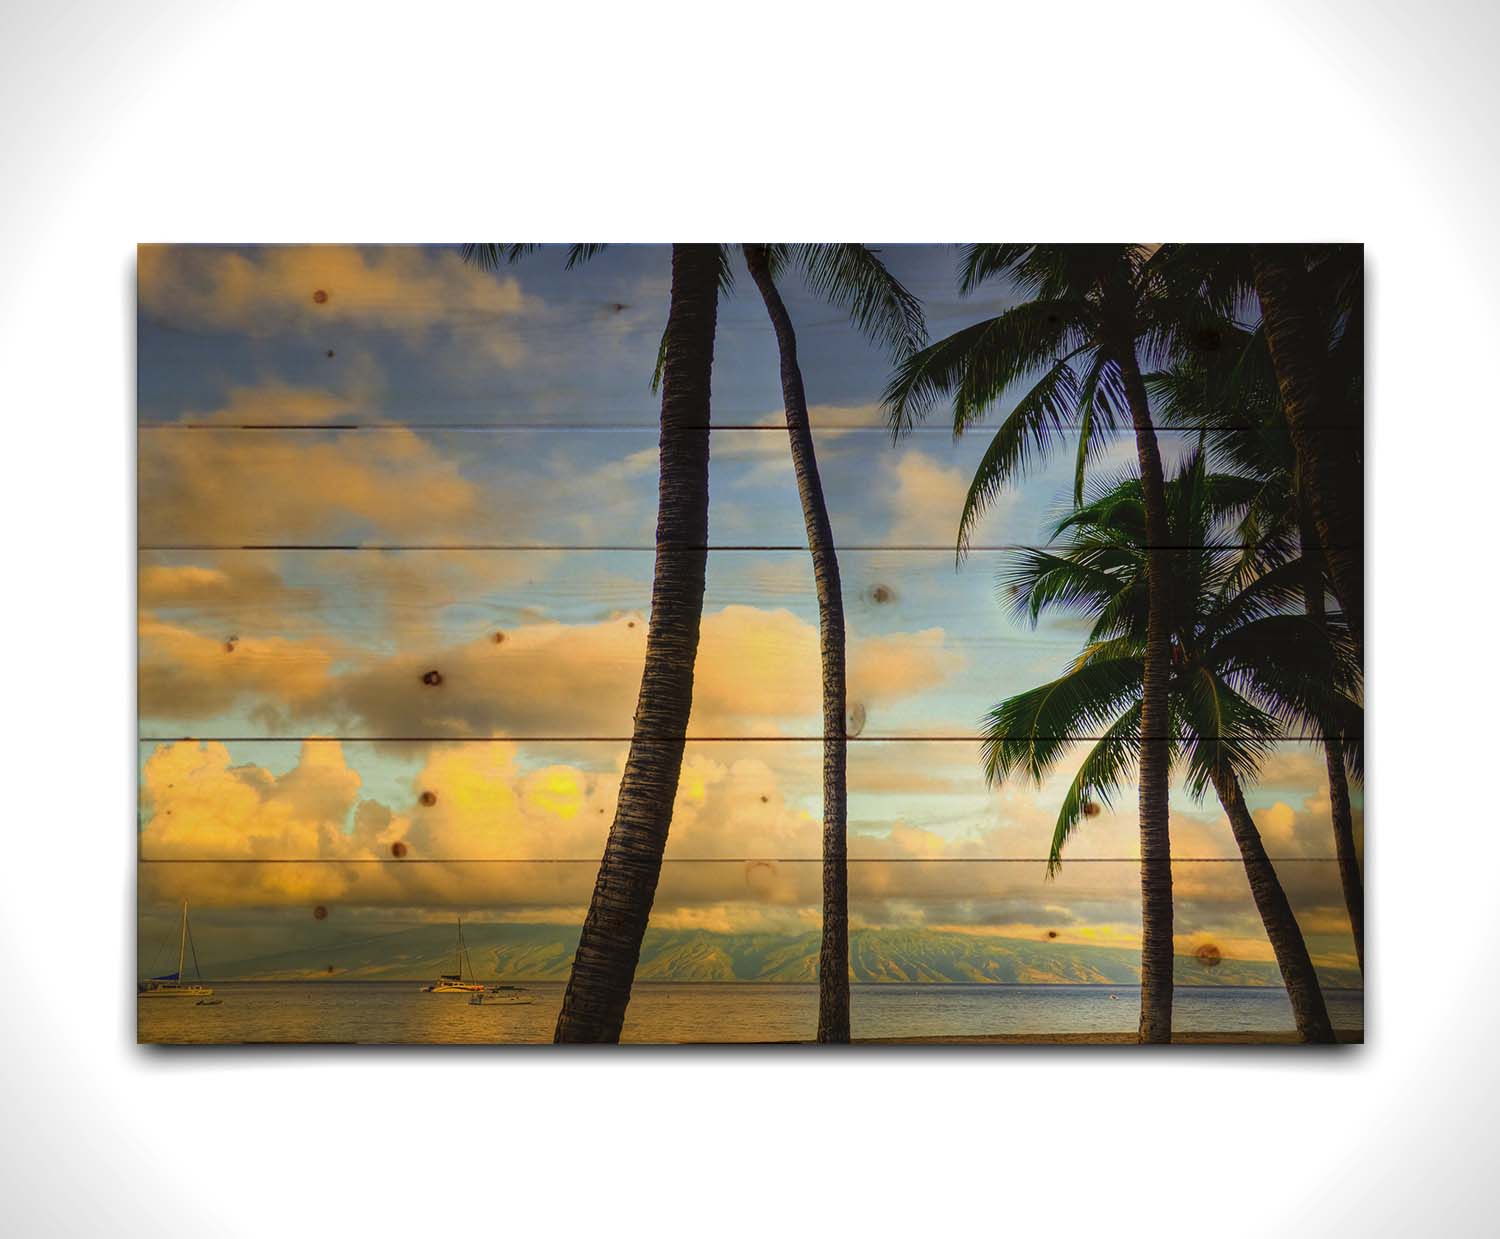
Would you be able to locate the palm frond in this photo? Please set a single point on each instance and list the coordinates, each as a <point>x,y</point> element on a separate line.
<point>1027,732</point>
<point>1225,733</point>
<point>978,363</point>
<point>1034,425</point>
<point>853,278</point>
<point>1111,760</point>
<point>493,256</point>
<point>1039,580</point>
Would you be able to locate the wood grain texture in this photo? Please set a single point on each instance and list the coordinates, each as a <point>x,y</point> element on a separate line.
<point>367,930</point>
<point>541,487</point>
<point>549,643</point>
<point>512,800</point>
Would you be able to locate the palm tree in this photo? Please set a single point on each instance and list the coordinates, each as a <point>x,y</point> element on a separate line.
<point>609,947</point>
<point>1242,666</point>
<point>1093,312</point>
<point>853,276</point>
<point>1311,302</point>
<point>1301,302</point>
<point>1232,395</point>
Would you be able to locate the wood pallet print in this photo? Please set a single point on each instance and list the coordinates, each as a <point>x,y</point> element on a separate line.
<point>772,643</point>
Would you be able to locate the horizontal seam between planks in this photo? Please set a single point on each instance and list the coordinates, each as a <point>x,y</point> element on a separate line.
<point>710,860</point>
<point>641,427</point>
<point>1003,547</point>
<point>809,739</point>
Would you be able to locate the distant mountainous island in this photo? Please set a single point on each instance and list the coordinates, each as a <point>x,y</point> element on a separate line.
<point>505,952</point>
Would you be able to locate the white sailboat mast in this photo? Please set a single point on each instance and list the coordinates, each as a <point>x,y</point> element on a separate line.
<point>182,942</point>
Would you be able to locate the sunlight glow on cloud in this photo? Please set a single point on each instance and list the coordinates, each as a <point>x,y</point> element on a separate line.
<point>306,287</point>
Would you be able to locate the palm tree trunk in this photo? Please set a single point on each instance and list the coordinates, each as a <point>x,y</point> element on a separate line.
<point>1297,973</point>
<point>610,946</point>
<point>833,959</point>
<point>1329,470</point>
<point>1156,845</point>
<point>1333,749</point>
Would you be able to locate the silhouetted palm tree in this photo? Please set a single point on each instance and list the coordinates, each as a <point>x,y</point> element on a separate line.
<point>1232,395</point>
<point>852,276</point>
<point>1094,315</point>
<point>609,947</point>
<point>1242,667</point>
<point>1311,305</point>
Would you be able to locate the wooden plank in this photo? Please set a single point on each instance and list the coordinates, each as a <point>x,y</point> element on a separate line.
<point>745,801</point>
<point>392,486</point>
<point>968,924</point>
<point>547,643</point>
<point>525,346</point>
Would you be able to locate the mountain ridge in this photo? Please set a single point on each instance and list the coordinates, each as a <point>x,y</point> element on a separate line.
<point>536,952</point>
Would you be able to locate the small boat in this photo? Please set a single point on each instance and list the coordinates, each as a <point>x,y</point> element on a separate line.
<point>172,985</point>
<point>453,982</point>
<point>502,996</point>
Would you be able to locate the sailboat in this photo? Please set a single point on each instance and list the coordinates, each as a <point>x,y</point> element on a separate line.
<point>172,985</point>
<point>453,982</point>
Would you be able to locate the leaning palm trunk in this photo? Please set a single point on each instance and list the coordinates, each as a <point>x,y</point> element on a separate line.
<point>1326,466</point>
<point>1297,973</point>
<point>1156,845</point>
<point>610,946</point>
<point>1333,747</point>
<point>833,959</point>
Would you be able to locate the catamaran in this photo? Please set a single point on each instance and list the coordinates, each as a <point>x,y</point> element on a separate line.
<point>172,985</point>
<point>453,982</point>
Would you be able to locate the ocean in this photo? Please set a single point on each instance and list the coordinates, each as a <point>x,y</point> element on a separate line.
<point>397,1012</point>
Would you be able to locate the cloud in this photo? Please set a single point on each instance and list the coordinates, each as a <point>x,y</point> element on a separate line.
<point>268,290</point>
<point>738,828</point>
<point>758,672</point>
<point>274,402</point>
<point>217,585</point>
<point>210,487</point>
<point>215,483</point>
<point>927,501</point>
<point>186,674</point>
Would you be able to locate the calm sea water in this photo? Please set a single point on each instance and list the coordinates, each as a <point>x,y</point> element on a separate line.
<point>393,1012</point>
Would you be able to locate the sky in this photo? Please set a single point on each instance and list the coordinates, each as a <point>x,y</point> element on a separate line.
<point>362,465</point>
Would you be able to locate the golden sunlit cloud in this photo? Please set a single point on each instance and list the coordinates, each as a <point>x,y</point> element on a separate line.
<point>305,287</point>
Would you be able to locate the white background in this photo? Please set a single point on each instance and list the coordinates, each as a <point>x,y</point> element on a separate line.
<point>934,121</point>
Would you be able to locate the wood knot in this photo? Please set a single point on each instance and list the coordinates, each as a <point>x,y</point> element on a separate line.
<point>428,799</point>
<point>765,799</point>
<point>1090,808</point>
<point>320,913</point>
<point>1208,955</point>
<point>330,352</point>
<point>1052,933</point>
<point>759,871</point>
<point>882,594</point>
<point>499,638</point>
<point>398,849</point>
<point>432,678</point>
<point>230,642</point>
<point>320,296</point>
